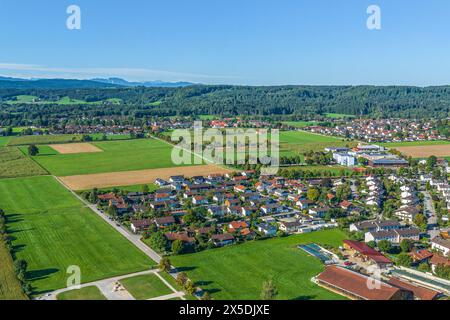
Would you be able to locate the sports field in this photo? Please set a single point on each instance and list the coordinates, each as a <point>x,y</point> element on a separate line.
<point>238,272</point>
<point>145,287</point>
<point>117,156</point>
<point>52,230</point>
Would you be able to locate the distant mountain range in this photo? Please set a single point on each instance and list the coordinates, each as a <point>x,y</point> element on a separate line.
<point>156,83</point>
<point>18,83</point>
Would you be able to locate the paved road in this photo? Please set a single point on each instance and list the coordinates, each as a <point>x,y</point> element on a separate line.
<point>430,213</point>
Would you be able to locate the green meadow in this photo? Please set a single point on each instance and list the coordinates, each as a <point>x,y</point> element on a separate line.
<point>414,143</point>
<point>86,293</point>
<point>339,115</point>
<point>14,163</point>
<point>52,230</point>
<point>145,287</point>
<point>238,271</point>
<point>117,156</point>
<point>300,124</point>
<point>298,142</point>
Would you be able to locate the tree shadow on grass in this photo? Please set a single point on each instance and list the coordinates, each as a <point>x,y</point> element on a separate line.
<point>185,269</point>
<point>310,297</point>
<point>203,283</point>
<point>40,274</point>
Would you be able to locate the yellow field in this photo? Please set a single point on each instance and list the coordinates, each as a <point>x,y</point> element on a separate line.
<point>70,148</point>
<point>128,178</point>
<point>425,151</point>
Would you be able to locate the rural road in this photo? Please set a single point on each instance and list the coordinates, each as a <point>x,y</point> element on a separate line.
<point>430,213</point>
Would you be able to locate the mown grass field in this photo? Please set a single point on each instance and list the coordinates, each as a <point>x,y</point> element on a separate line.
<point>86,293</point>
<point>145,287</point>
<point>52,230</point>
<point>9,284</point>
<point>300,124</point>
<point>298,142</point>
<point>4,141</point>
<point>13,163</point>
<point>238,272</point>
<point>133,188</point>
<point>339,115</point>
<point>117,156</point>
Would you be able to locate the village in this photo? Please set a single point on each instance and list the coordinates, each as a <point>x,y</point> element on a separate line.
<point>396,220</point>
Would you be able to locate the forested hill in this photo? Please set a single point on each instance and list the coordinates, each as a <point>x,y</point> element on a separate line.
<point>301,101</point>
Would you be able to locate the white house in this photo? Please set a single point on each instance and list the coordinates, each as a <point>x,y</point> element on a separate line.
<point>442,245</point>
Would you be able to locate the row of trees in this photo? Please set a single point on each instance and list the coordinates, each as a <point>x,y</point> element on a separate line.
<point>20,266</point>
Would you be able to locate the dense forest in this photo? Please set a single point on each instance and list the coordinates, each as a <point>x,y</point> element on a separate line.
<point>281,102</point>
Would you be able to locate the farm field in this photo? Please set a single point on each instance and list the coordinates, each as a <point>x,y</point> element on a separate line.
<point>414,143</point>
<point>4,141</point>
<point>131,188</point>
<point>300,124</point>
<point>426,151</point>
<point>238,272</point>
<point>339,115</point>
<point>335,170</point>
<point>60,138</point>
<point>13,163</point>
<point>52,230</point>
<point>9,284</point>
<point>112,179</point>
<point>145,287</point>
<point>117,156</point>
<point>86,293</point>
<point>29,99</point>
<point>70,148</point>
<point>299,142</point>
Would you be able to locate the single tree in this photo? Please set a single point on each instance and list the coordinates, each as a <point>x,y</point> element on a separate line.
<point>404,259</point>
<point>177,247</point>
<point>269,290</point>
<point>405,245</point>
<point>189,287</point>
<point>182,278</point>
<point>384,246</point>
<point>164,264</point>
<point>33,150</point>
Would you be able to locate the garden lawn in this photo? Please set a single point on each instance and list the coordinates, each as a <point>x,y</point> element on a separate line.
<point>145,287</point>
<point>238,272</point>
<point>117,156</point>
<point>13,163</point>
<point>86,293</point>
<point>52,230</point>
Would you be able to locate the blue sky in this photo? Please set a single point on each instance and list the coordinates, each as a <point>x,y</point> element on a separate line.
<point>256,42</point>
